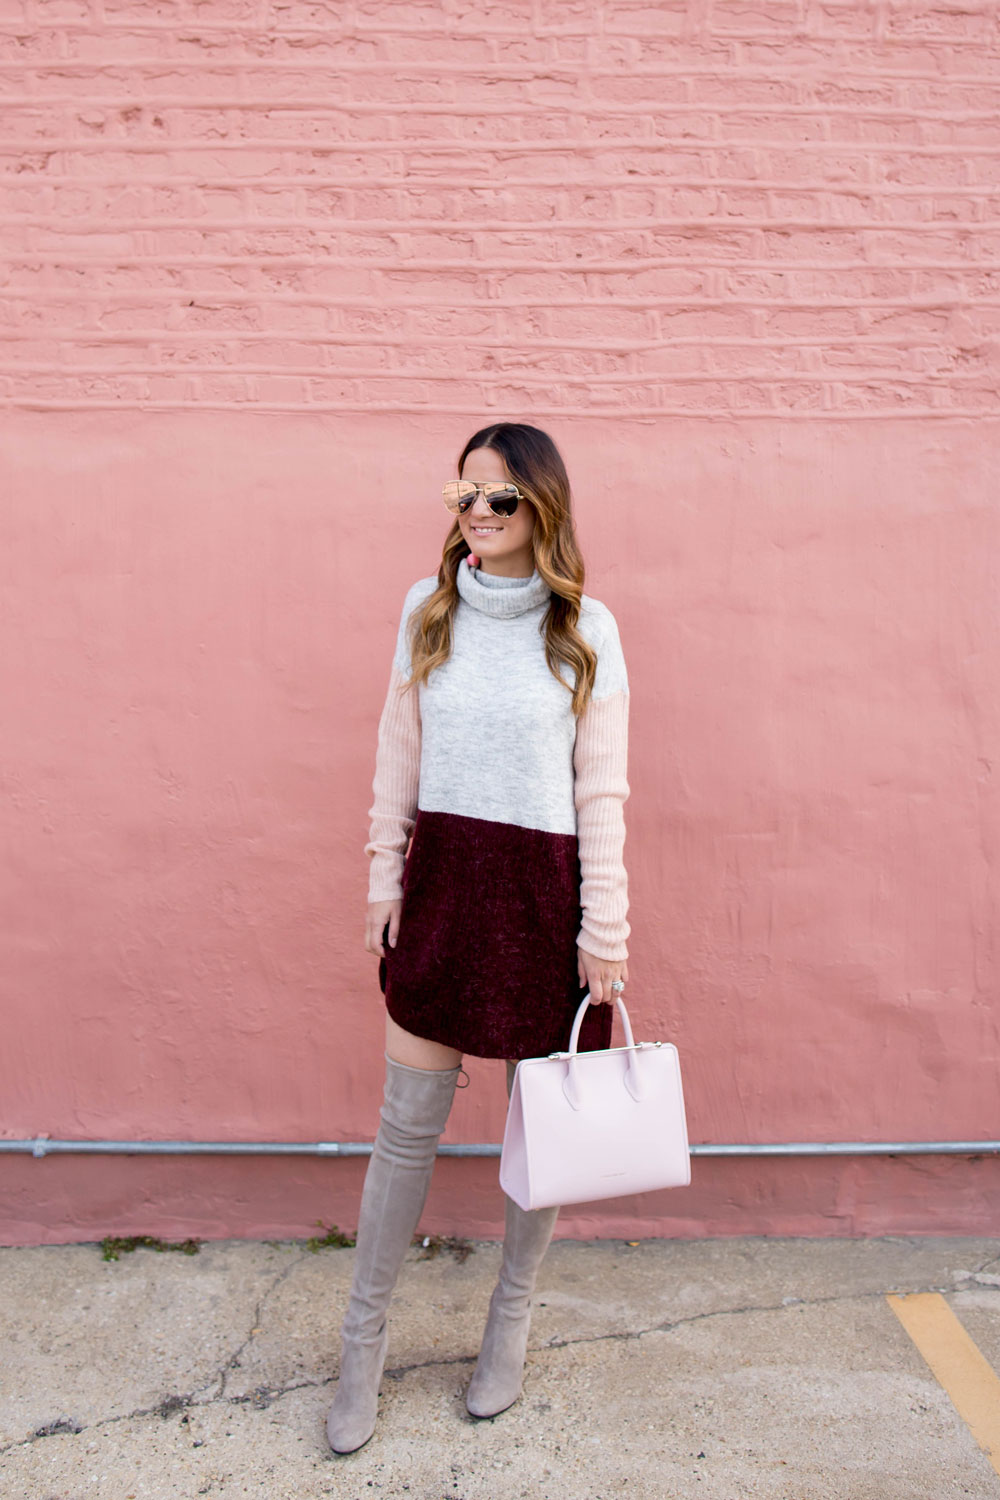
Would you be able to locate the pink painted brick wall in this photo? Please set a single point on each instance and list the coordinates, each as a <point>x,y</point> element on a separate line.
<point>620,209</point>
<point>264,267</point>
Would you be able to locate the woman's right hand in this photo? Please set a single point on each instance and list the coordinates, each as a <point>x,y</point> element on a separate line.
<point>380,912</point>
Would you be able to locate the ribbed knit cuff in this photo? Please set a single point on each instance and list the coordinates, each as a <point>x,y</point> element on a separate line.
<point>600,760</point>
<point>382,885</point>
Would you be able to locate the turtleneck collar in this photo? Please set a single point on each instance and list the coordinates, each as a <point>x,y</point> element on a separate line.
<point>499,596</point>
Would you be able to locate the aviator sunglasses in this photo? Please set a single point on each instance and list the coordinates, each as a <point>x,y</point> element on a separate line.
<point>500,495</point>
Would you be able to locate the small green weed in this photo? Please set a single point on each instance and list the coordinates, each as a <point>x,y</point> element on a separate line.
<point>332,1240</point>
<point>113,1246</point>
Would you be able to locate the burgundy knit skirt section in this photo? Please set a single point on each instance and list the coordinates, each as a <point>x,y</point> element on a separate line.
<point>486,956</point>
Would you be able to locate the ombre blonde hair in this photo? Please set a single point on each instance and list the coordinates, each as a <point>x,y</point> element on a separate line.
<point>533,461</point>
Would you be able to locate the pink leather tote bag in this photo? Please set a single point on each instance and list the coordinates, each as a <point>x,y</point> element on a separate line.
<point>589,1125</point>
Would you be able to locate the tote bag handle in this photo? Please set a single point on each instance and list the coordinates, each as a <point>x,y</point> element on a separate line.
<point>571,1083</point>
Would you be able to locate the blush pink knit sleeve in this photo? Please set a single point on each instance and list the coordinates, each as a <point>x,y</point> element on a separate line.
<point>397,779</point>
<point>600,762</point>
<point>396,786</point>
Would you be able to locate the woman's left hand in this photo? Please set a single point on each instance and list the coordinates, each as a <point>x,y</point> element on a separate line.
<point>597,974</point>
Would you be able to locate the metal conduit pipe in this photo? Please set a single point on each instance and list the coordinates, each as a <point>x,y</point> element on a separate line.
<point>41,1145</point>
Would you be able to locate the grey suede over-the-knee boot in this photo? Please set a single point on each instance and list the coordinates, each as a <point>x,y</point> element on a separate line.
<point>499,1373</point>
<point>413,1115</point>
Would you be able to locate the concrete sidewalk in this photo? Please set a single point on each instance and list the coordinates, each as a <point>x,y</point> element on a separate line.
<point>718,1368</point>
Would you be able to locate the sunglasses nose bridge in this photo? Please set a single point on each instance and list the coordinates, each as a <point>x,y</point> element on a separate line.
<point>479,509</point>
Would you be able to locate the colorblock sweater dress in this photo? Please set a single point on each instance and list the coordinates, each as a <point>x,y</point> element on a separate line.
<point>498,818</point>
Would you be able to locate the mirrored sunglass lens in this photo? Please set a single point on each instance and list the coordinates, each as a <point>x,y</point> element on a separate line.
<point>459,494</point>
<point>501,498</point>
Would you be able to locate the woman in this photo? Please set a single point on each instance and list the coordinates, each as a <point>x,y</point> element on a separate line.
<point>502,754</point>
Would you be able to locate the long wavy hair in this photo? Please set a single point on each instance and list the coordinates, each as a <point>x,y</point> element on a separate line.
<point>533,461</point>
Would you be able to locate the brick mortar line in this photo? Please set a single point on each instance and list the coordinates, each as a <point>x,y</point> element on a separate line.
<point>416,184</point>
<point>339,337</point>
<point>470,269</point>
<point>939,303</point>
<point>610,345</point>
<point>402,145</point>
<point>525,377</point>
<point>543,228</point>
<point>552,68</point>
<point>691,37</point>
<point>918,114</point>
<point>955,301</point>
<point>621,413</point>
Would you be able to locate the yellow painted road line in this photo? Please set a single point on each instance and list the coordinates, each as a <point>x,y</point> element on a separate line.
<point>958,1366</point>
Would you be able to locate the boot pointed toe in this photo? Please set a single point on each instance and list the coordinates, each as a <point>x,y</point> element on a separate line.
<point>491,1401</point>
<point>347,1436</point>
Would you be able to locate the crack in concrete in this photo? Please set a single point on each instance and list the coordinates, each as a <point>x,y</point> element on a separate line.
<point>232,1362</point>
<point>669,1326</point>
<point>169,1405</point>
<point>266,1396</point>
